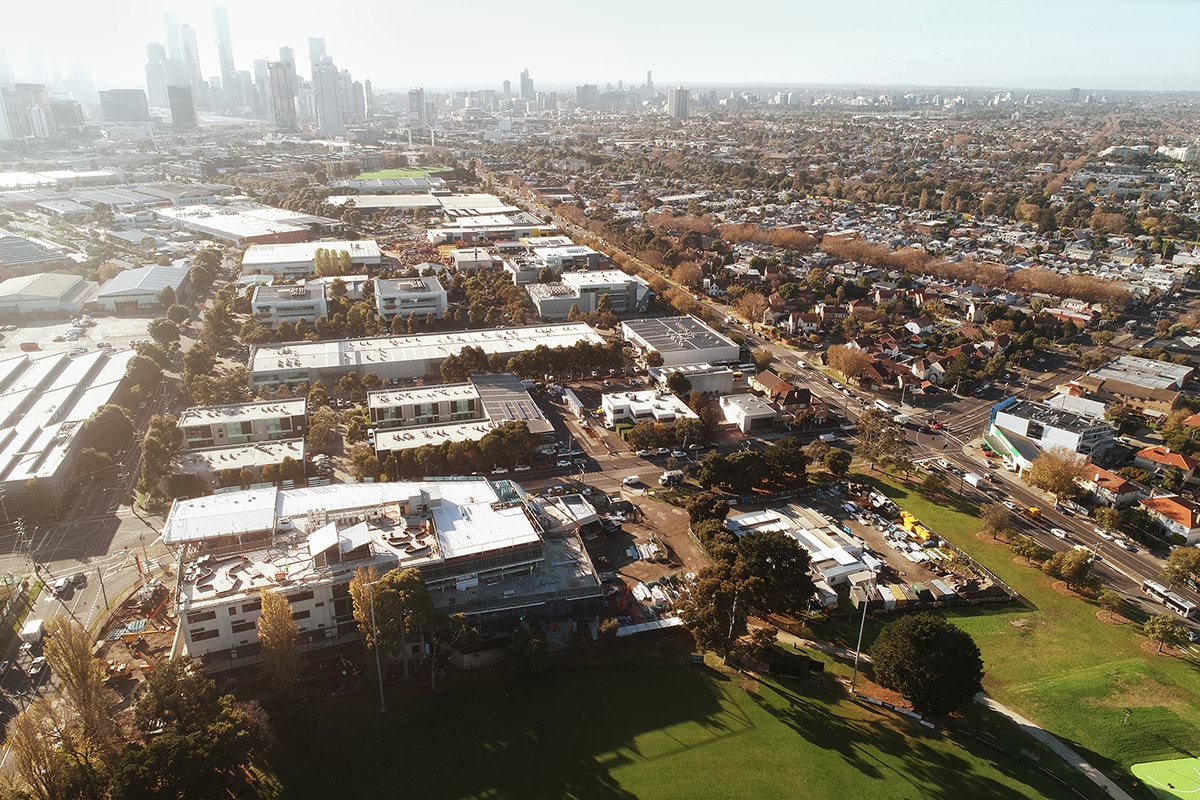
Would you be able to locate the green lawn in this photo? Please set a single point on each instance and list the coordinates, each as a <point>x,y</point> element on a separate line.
<point>1050,658</point>
<point>408,172</point>
<point>652,733</point>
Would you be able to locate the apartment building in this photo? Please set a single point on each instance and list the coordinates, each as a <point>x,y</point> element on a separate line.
<point>408,296</point>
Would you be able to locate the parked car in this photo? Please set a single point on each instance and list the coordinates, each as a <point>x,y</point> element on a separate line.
<point>562,463</point>
<point>645,453</point>
<point>679,454</point>
<point>37,666</point>
<point>500,471</point>
<point>522,468</point>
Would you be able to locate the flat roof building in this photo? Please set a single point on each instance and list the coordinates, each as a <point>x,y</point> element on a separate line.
<point>403,419</point>
<point>241,423</point>
<point>249,223</point>
<point>408,296</point>
<point>478,545</point>
<point>748,412</point>
<point>1145,372</point>
<point>645,406</point>
<point>680,340</point>
<point>395,357</point>
<point>272,305</point>
<point>835,554</point>
<point>20,255</point>
<point>298,259</point>
<point>584,290</point>
<point>1048,426</point>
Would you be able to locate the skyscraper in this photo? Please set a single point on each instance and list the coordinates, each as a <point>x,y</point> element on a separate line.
<point>316,52</point>
<point>416,108</point>
<point>306,101</point>
<point>358,98</point>
<point>25,112</point>
<point>191,65</point>
<point>587,95</point>
<point>156,74</point>
<point>526,85</point>
<point>183,106</point>
<point>507,89</point>
<point>229,79</point>
<point>330,101</point>
<point>283,94</point>
<point>124,105</point>
<point>677,103</point>
<point>1074,95</point>
<point>262,89</point>
<point>370,97</point>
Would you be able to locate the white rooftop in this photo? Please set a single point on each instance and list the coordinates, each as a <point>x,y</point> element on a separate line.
<point>251,454</point>
<point>242,412</point>
<point>259,255</point>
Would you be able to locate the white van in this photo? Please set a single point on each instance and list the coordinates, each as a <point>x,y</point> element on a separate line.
<point>632,480</point>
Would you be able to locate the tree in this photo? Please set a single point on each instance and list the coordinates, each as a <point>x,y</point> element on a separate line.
<point>747,469</point>
<point>715,607</point>
<point>1111,602</point>
<point>779,567</point>
<point>363,462</point>
<point>881,439</point>
<point>109,430</point>
<point>361,586</point>
<point>34,738</point>
<point>402,606</point>
<point>291,470</point>
<point>850,362</point>
<point>1164,629</point>
<point>178,314</point>
<point>751,306</point>
<point>1028,548</point>
<point>935,665</point>
<point>90,738</point>
<point>997,521</point>
<point>1056,471</point>
<point>166,298</point>
<point>1074,567</point>
<point>102,214</point>
<point>525,650</point>
<point>678,384</point>
<point>279,640</point>
<point>163,331</point>
<point>322,426</point>
<point>837,460</point>
<point>1108,518</point>
<point>933,484</point>
<point>143,372</point>
<point>787,457</point>
<point>762,358</point>
<point>1183,566</point>
<point>706,505</point>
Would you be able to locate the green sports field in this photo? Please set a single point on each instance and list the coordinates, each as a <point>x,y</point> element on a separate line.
<point>623,733</point>
<point>408,172</point>
<point>1179,777</point>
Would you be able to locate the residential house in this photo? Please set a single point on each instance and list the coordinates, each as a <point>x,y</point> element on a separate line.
<point>919,326</point>
<point>1109,489</point>
<point>1176,515</point>
<point>1161,458</point>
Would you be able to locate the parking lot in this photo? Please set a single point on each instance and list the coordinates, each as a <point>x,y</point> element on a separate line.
<point>120,332</point>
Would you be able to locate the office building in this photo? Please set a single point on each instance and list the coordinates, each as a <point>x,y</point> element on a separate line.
<point>316,52</point>
<point>650,405</point>
<point>191,66</point>
<point>370,98</point>
<point>405,419</point>
<point>482,549</point>
<point>1019,429</point>
<point>331,109</point>
<point>587,95</point>
<point>283,95</point>
<point>526,85</point>
<point>408,296</point>
<point>25,112</point>
<point>677,103</point>
<point>124,105</point>
<point>242,423</point>
<point>273,305</point>
<point>507,89</point>
<point>156,74</point>
<point>584,291</point>
<point>261,91</point>
<point>183,106</point>
<point>358,97</point>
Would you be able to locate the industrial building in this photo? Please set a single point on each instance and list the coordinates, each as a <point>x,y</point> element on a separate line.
<point>140,289</point>
<point>298,259</point>
<point>481,548</point>
<point>272,305</point>
<point>249,223</point>
<point>20,255</point>
<point>44,294</point>
<point>837,557</point>
<point>400,357</point>
<point>680,340</point>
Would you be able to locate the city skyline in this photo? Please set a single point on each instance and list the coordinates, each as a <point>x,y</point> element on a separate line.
<point>782,44</point>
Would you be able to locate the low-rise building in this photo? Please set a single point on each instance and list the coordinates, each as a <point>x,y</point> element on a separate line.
<point>680,340</point>
<point>834,554</point>
<point>568,257</point>
<point>584,291</point>
<point>1109,489</point>
<point>241,423</point>
<point>408,296</point>
<point>749,413</point>
<point>708,379</point>
<point>646,406</point>
<point>472,259</point>
<point>1176,515</point>
<point>139,290</point>
<point>272,305</point>
<point>1161,458</point>
<point>44,294</point>
<point>478,545</point>
<point>298,259</point>
<point>1049,427</point>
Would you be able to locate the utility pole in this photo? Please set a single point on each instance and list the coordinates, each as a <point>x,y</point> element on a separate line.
<point>103,593</point>
<point>861,625</point>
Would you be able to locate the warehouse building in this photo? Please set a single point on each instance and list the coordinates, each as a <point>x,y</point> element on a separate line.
<point>400,357</point>
<point>298,259</point>
<point>44,294</point>
<point>137,290</point>
<point>680,340</point>
<point>249,223</point>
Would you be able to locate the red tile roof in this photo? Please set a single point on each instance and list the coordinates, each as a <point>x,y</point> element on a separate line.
<point>1168,457</point>
<point>1175,508</point>
<point>1108,480</point>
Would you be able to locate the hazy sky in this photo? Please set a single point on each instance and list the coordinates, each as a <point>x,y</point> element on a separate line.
<point>1094,44</point>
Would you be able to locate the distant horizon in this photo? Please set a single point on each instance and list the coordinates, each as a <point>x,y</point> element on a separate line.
<point>1017,45</point>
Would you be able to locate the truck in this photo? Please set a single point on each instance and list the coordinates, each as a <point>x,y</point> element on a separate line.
<point>670,477</point>
<point>974,480</point>
<point>900,419</point>
<point>33,631</point>
<point>828,437</point>
<point>30,347</point>
<point>1033,512</point>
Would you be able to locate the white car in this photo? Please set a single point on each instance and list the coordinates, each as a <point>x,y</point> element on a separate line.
<point>522,468</point>
<point>801,364</point>
<point>1103,534</point>
<point>631,480</point>
<point>1010,505</point>
<point>562,462</point>
<point>1125,544</point>
<point>1059,533</point>
<point>500,471</point>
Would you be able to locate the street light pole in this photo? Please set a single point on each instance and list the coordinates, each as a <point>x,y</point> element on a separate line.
<point>861,626</point>
<point>375,647</point>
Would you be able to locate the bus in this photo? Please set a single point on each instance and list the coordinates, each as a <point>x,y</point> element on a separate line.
<point>882,406</point>
<point>1175,602</point>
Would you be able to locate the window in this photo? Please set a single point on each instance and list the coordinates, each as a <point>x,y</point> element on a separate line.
<point>252,606</point>
<point>302,615</point>
<point>232,610</point>
<point>199,634</point>
<point>299,596</point>
<point>242,627</point>
<point>201,616</point>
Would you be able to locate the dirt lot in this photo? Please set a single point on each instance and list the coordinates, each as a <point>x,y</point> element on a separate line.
<point>662,523</point>
<point>119,331</point>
